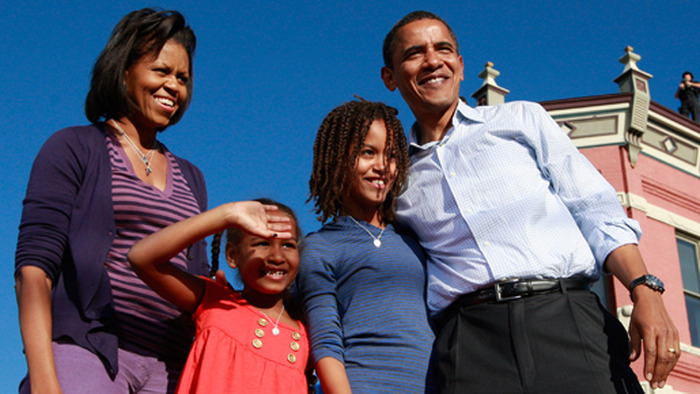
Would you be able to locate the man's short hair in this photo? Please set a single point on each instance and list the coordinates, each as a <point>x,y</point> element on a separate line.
<point>390,39</point>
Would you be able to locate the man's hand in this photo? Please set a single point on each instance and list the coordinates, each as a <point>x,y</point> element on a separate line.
<point>651,325</point>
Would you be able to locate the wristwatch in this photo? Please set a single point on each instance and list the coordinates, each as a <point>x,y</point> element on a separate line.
<point>650,281</point>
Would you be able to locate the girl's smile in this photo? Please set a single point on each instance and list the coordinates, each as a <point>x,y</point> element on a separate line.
<point>372,177</point>
<point>267,266</point>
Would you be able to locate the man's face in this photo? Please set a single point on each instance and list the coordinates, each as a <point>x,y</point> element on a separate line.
<point>427,69</point>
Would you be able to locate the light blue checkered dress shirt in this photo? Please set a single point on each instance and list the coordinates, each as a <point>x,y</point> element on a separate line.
<point>506,194</point>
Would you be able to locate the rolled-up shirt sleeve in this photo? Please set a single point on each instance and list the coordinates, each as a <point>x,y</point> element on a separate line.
<point>589,197</point>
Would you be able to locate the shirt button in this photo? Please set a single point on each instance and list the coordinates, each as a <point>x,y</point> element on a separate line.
<point>453,174</point>
<point>469,210</point>
<point>487,243</point>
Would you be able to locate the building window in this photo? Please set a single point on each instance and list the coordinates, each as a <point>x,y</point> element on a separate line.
<point>688,248</point>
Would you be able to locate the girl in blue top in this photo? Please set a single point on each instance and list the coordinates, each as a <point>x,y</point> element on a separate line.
<point>362,282</point>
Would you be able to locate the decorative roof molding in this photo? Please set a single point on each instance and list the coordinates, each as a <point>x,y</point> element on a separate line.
<point>490,93</point>
<point>635,81</point>
<point>588,101</point>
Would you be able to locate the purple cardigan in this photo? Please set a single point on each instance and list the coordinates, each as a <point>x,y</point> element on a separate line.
<point>68,227</point>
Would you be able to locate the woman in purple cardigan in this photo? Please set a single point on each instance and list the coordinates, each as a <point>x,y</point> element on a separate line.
<point>88,323</point>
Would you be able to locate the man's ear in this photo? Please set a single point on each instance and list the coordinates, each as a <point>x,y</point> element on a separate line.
<point>388,78</point>
<point>230,255</point>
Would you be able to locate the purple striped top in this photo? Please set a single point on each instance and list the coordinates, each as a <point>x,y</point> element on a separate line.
<point>145,320</point>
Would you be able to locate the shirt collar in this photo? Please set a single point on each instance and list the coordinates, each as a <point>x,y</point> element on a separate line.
<point>463,112</point>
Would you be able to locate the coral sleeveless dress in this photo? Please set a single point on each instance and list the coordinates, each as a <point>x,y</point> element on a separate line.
<point>236,351</point>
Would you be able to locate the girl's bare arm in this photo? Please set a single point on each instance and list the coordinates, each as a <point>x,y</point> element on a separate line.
<point>150,257</point>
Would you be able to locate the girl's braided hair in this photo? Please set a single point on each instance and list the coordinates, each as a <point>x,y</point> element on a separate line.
<point>337,146</point>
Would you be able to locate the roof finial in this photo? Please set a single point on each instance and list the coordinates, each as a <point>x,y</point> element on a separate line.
<point>630,59</point>
<point>490,93</point>
<point>489,74</point>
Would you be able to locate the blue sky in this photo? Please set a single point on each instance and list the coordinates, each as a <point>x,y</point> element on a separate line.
<point>266,73</point>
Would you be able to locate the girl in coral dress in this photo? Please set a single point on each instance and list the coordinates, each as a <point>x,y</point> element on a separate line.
<point>246,342</point>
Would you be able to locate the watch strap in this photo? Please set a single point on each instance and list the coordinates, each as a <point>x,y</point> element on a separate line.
<point>648,280</point>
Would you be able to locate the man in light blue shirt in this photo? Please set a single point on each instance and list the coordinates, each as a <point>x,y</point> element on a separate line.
<point>516,224</point>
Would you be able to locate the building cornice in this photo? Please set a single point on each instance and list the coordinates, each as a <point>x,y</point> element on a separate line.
<point>588,101</point>
<point>631,200</point>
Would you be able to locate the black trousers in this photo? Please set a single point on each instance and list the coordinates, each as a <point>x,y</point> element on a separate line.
<point>690,107</point>
<point>563,342</point>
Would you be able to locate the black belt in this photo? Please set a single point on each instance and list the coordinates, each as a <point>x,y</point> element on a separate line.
<point>513,289</point>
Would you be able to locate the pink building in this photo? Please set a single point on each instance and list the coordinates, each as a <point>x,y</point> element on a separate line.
<point>651,156</point>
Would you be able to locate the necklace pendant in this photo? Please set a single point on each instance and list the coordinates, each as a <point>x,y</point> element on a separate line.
<point>145,159</point>
<point>275,331</point>
<point>377,243</point>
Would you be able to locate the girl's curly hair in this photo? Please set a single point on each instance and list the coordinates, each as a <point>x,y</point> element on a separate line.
<point>337,147</point>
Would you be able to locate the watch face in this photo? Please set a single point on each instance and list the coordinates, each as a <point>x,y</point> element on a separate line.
<point>654,282</point>
<point>650,281</point>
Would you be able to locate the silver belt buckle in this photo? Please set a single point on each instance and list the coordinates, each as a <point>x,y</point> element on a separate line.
<point>498,289</point>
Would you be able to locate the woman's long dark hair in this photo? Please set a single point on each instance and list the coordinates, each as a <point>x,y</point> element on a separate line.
<point>140,33</point>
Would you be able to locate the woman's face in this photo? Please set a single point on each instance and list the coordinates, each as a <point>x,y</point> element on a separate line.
<point>158,86</point>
